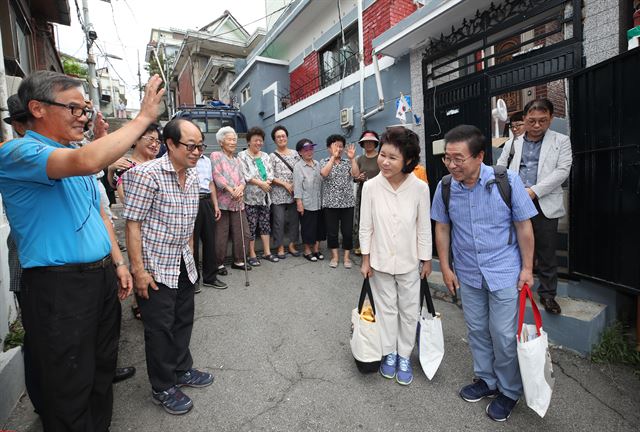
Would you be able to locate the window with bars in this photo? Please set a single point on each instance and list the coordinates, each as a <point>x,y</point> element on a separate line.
<point>339,57</point>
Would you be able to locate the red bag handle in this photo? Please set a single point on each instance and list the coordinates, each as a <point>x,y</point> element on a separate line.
<point>524,293</point>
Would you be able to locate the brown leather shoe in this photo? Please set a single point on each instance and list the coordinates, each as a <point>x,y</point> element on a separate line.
<point>551,305</point>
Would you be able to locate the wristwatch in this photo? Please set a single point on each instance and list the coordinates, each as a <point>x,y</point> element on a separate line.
<point>119,263</point>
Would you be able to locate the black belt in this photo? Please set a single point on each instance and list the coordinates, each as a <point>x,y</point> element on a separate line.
<point>205,196</point>
<point>75,268</point>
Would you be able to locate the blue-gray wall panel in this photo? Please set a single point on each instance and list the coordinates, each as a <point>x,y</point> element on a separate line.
<point>321,119</point>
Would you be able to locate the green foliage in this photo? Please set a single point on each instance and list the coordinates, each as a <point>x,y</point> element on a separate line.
<point>615,347</point>
<point>72,67</point>
<point>15,337</point>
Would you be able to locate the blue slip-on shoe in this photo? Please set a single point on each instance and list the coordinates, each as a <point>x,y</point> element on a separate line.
<point>500,409</point>
<point>172,400</point>
<point>477,391</point>
<point>388,365</point>
<point>404,375</point>
<point>195,378</point>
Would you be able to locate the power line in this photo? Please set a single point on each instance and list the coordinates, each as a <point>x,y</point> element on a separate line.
<point>212,37</point>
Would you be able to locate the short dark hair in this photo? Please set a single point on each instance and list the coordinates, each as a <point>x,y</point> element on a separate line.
<point>276,129</point>
<point>407,142</point>
<point>172,130</point>
<point>42,85</point>
<point>336,137</point>
<point>516,116</point>
<point>540,104</point>
<point>153,127</point>
<point>254,131</point>
<point>469,134</point>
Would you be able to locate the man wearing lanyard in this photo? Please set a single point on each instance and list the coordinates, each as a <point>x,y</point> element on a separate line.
<point>72,266</point>
<point>205,226</point>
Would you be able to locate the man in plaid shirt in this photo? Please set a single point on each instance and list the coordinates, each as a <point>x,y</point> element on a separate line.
<point>161,204</point>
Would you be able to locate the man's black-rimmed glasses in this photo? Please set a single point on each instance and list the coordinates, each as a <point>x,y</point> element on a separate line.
<point>191,147</point>
<point>76,110</point>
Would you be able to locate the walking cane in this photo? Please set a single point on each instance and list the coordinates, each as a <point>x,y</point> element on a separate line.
<point>244,250</point>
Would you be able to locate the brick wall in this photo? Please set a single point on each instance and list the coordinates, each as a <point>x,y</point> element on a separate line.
<point>185,86</point>
<point>380,17</point>
<point>305,79</point>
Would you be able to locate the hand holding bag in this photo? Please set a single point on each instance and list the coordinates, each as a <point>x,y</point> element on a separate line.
<point>366,344</point>
<point>430,336</point>
<point>534,359</point>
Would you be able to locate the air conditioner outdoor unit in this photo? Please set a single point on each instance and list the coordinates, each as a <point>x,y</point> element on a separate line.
<point>346,117</point>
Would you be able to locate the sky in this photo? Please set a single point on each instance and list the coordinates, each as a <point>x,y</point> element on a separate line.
<point>124,27</point>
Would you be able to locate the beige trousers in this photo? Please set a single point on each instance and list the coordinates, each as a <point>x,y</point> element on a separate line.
<point>397,302</point>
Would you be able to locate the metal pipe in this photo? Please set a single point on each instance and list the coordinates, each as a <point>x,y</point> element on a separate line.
<point>361,58</point>
<point>380,107</point>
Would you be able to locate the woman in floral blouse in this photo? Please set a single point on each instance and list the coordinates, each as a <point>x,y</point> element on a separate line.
<point>256,167</point>
<point>338,199</point>
<point>230,185</point>
<point>283,207</point>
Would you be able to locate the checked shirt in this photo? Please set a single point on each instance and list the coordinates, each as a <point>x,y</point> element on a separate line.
<point>154,197</point>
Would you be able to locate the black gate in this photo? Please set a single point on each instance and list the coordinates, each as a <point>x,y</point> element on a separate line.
<point>605,179</point>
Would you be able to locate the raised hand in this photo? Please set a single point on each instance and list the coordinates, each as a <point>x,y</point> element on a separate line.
<point>351,151</point>
<point>151,104</point>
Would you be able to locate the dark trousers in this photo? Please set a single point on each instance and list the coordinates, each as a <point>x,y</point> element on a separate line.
<point>229,224</point>
<point>284,224</point>
<point>205,230</point>
<point>312,227</point>
<point>343,218</point>
<point>72,323</point>
<point>545,232</point>
<point>167,316</point>
<point>31,382</point>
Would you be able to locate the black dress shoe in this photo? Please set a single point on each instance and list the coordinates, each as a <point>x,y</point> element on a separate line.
<point>551,305</point>
<point>124,373</point>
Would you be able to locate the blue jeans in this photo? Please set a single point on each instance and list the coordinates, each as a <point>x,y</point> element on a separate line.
<point>491,318</point>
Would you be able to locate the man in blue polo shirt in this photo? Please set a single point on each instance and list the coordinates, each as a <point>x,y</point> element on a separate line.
<point>72,266</point>
<point>489,267</point>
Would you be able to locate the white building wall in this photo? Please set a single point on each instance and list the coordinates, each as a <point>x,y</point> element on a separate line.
<point>8,310</point>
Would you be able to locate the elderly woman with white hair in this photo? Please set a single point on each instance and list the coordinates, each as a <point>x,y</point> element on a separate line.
<point>230,184</point>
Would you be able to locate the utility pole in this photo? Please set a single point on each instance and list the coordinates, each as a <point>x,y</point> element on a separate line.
<point>90,36</point>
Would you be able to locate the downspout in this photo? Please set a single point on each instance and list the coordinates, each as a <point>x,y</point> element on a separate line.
<point>380,107</point>
<point>361,58</point>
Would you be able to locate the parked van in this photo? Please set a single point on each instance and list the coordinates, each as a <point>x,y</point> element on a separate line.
<point>211,117</point>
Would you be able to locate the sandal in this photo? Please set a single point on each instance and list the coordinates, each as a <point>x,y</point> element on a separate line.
<point>310,257</point>
<point>254,261</point>
<point>318,255</point>
<point>347,264</point>
<point>282,256</point>
<point>135,310</point>
<point>272,258</point>
<point>240,266</point>
<point>295,253</point>
<point>333,263</point>
<point>222,270</point>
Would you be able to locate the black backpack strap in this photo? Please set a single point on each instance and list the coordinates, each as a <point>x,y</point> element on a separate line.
<point>446,191</point>
<point>501,178</point>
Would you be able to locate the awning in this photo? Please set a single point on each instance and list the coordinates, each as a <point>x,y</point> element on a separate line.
<point>436,17</point>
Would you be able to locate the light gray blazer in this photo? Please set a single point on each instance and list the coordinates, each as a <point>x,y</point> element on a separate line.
<point>553,169</point>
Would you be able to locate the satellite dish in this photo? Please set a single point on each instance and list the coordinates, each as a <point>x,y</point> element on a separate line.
<point>499,114</point>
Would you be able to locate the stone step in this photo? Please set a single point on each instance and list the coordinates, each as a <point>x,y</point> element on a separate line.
<point>579,326</point>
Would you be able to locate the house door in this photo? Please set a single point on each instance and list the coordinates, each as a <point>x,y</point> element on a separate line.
<point>605,179</point>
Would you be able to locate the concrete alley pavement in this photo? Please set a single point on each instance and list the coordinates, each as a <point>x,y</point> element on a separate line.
<point>279,351</point>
